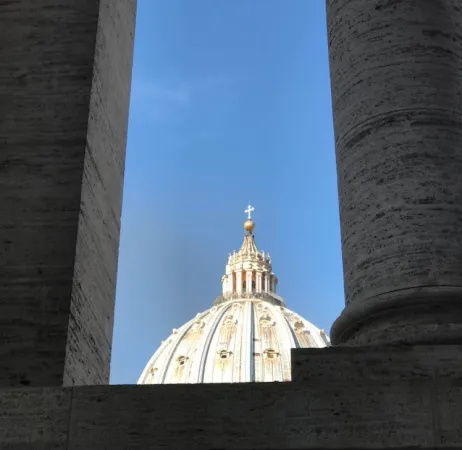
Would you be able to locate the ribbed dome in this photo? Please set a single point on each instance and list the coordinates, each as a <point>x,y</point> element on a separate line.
<point>246,336</point>
<point>235,341</point>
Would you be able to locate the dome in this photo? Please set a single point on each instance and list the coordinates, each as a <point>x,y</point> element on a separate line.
<point>247,335</point>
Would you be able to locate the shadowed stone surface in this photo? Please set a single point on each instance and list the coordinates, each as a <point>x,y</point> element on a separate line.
<point>397,99</point>
<point>64,89</point>
<point>34,418</point>
<point>341,398</point>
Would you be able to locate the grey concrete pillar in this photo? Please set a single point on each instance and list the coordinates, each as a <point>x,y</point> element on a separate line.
<point>65,71</point>
<point>396,72</point>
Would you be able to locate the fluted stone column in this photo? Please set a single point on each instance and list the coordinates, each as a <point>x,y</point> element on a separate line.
<point>65,71</point>
<point>396,73</point>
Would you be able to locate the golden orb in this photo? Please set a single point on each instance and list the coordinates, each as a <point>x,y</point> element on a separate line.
<point>249,225</point>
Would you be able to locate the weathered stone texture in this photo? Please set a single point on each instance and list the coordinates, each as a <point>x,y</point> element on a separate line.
<point>244,415</point>
<point>34,418</point>
<point>396,72</point>
<point>384,397</point>
<point>60,184</point>
<point>88,349</point>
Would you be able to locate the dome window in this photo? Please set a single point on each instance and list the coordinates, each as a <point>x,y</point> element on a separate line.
<point>271,353</point>
<point>181,360</point>
<point>224,354</point>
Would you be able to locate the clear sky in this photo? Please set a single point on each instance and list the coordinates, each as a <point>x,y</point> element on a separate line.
<point>230,103</point>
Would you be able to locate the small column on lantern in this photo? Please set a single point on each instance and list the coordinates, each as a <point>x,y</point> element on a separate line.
<point>239,281</point>
<point>224,283</point>
<point>266,279</point>
<point>248,281</point>
<point>229,284</point>
<point>258,286</point>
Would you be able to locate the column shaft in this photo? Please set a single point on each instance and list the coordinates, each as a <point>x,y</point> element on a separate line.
<point>239,281</point>
<point>249,281</point>
<point>396,77</point>
<point>259,283</point>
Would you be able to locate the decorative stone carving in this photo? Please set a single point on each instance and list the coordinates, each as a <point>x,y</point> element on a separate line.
<point>198,326</point>
<point>229,320</point>
<point>300,328</point>
<point>266,321</point>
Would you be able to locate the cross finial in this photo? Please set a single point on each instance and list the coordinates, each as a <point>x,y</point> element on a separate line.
<point>249,210</point>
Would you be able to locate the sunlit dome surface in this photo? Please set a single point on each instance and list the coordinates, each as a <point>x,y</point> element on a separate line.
<point>246,336</point>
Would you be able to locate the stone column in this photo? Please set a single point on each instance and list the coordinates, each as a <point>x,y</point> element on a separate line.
<point>239,281</point>
<point>267,283</point>
<point>259,283</point>
<point>65,71</point>
<point>224,284</point>
<point>396,76</point>
<point>249,281</point>
<point>230,283</point>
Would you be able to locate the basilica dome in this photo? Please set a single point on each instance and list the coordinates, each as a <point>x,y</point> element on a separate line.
<point>247,335</point>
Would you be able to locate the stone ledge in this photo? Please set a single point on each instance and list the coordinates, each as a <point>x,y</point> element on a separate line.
<point>34,417</point>
<point>376,363</point>
<point>347,398</point>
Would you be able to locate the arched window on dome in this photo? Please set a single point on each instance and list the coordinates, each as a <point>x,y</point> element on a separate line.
<point>181,360</point>
<point>270,353</point>
<point>224,354</point>
<point>179,371</point>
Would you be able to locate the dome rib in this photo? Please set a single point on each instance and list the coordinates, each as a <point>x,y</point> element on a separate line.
<point>206,349</point>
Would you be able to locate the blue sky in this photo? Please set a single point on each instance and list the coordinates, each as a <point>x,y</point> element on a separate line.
<point>230,103</point>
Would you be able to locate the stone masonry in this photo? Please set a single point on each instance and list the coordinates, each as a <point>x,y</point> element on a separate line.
<point>65,71</point>
<point>340,398</point>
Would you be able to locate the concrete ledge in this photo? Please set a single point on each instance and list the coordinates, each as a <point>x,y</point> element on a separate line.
<point>340,398</point>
